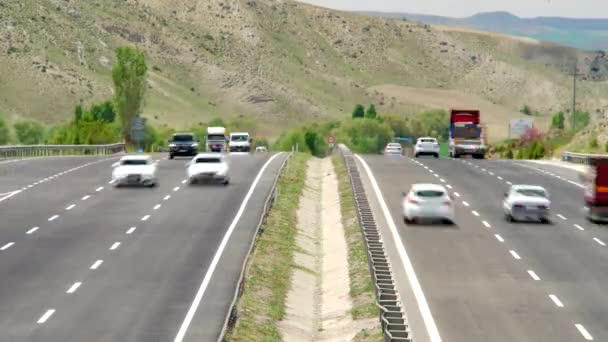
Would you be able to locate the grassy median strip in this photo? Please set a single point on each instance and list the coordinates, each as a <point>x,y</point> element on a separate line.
<point>361,285</point>
<point>262,304</point>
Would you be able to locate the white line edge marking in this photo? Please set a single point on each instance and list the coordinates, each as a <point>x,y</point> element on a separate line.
<point>533,275</point>
<point>156,207</point>
<point>46,316</point>
<point>514,254</point>
<point>584,332</point>
<point>115,245</point>
<point>556,301</point>
<point>499,238</point>
<point>485,223</point>
<point>70,207</point>
<point>599,241</point>
<point>74,287</point>
<point>96,264</point>
<point>131,230</point>
<point>84,198</point>
<point>465,203</point>
<point>579,227</point>
<point>561,216</point>
<point>7,246</point>
<point>31,231</point>
<point>218,254</point>
<point>53,218</point>
<point>423,305</point>
<point>475,213</point>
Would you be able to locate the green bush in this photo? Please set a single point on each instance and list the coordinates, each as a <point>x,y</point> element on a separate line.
<point>526,110</point>
<point>371,112</point>
<point>365,136</point>
<point>581,120</point>
<point>557,121</point>
<point>358,112</point>
<point>606,147</point>
<point>593,143</point>
<point>434,123</point>
<point>4,132</point>
<point>29,132</point>
<point>103,111</point>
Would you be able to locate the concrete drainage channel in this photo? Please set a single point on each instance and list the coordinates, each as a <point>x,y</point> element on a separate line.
<point>392,314</point>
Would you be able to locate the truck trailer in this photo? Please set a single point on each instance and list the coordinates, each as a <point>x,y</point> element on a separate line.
<point>466,134</point>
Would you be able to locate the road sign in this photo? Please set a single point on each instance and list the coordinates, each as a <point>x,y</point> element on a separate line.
<point>138,128</point>
<point>518,127</point>
<point>331,139</point>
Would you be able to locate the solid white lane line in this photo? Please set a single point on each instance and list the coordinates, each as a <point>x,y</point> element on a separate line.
<point>579,227</point>
<point>465,203</point>
<point>475,213</point>
<point>456,194</point>
<point>485,223</point>
<point>499,177</point>
<point>70,207</point>
<point>7,246</point>
<point>46,316</point>
<point>176,188</point>
<point>84,198</point>
<point>96,264</point>
<point>145,218</point>
<point>561,216</point>
<point>533,275</point>
<point>515,255</point>
<point>218,254</point>
<point>425,311</point>
<point>31,231</point>
<point>499,238</point>
<point>53,218</point>
<point>599,241</point>
<point>114,246</point>
<point>586,335</point>
<point>131,230</point>
<point>449,186</point>
<point>99,189</point>
<point>556,301</point>
<point>156,207</point>
<point>166,197</point>
<point>74,287</point>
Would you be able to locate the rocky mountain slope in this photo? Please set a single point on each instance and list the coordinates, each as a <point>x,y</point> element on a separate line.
<point>282,62</point>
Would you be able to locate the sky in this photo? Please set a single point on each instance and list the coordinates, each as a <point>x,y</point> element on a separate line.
<point>463,8</point>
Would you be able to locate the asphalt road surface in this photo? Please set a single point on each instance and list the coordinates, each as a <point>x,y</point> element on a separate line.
<point>83,261</point>
<point>485,279</point>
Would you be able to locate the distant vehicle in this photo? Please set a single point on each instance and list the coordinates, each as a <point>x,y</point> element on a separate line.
<point>527,203</point>
<point>466,134</point>
<point>239,142</point>
<point>210,167</point>
<point>135,170</point>
<point>426,146</point>
<point>183,144</point>
<point>427,201</point>
<point>393,148</point>
<point>216,139</point>
<point>261,149</point>
<point>595,180</point>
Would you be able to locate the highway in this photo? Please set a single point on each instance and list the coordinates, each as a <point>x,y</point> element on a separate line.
<point>84,261</point>
<point>485,279</point>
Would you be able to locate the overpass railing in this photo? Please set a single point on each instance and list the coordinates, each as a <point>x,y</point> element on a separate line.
<point>26,151</point>
<point>582,158</point>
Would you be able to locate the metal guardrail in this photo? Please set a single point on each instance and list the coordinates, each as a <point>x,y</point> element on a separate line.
<point>26,151</point>
<point>582,158</point>
<point>392,314</point>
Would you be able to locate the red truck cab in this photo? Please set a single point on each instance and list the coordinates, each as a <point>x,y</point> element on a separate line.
<point>596,190</point>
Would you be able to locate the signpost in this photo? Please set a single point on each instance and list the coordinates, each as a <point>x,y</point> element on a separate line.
<point>518,127</point>
<point>138,130</point>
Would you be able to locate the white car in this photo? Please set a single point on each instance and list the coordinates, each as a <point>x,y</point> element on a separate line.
<point>427,201</point>
<point>208,167</point>
<point>393,148</point>
<point>426,146</point>
<point>527,203</point>
<point>135,170</point>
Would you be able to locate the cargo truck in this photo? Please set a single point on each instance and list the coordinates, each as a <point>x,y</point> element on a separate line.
<point>216,139</point>
<point>466,134</point>
<point>595,181</point>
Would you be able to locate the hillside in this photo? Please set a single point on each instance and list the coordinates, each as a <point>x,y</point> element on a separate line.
<point>282,62</point>
<point>586,34</point>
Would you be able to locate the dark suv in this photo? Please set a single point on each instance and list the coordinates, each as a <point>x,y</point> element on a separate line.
<point>183,144</point>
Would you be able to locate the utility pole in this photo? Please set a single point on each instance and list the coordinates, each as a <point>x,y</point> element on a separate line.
<point>574,75</point>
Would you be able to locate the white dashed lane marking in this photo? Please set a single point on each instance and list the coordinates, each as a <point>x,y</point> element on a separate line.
<point>166,197</point>
<point>46,316</point>
<point>74,287</point>
<point>586,335</point>
<point>449,186</point>
<point>499,177</point>
<point>515,255</point>
<point>176,188</point>
<point>70,207</point>
<point>556,301</point>
<point>156,207</point>
<point>99,189</point>
<point>7,246</point>
<point>145,218</point>
<point>456,194</point>
<point>499,238</point>
<point>114,246</point>
<point>53,218</point>
<point>131,230</point>
<point>533,275</point>
<point>485,223</point>
<point>475,213</point>
<point>96,264</point>
<point>509,183</point>
<point>31,231</point>
<point>465,203</point>
<point>599,241</point>
<point>561,216</point>
<point>579,227</point>
<point>84,198</point>
<point>184,181</point>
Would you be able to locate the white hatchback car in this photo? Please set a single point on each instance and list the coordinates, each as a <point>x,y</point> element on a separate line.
<point>527,203</point>
<point>393,148</point>
<point>426,146</point>
<point>135,170</point>
<point>427,201</point>
<point>208,167</point>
